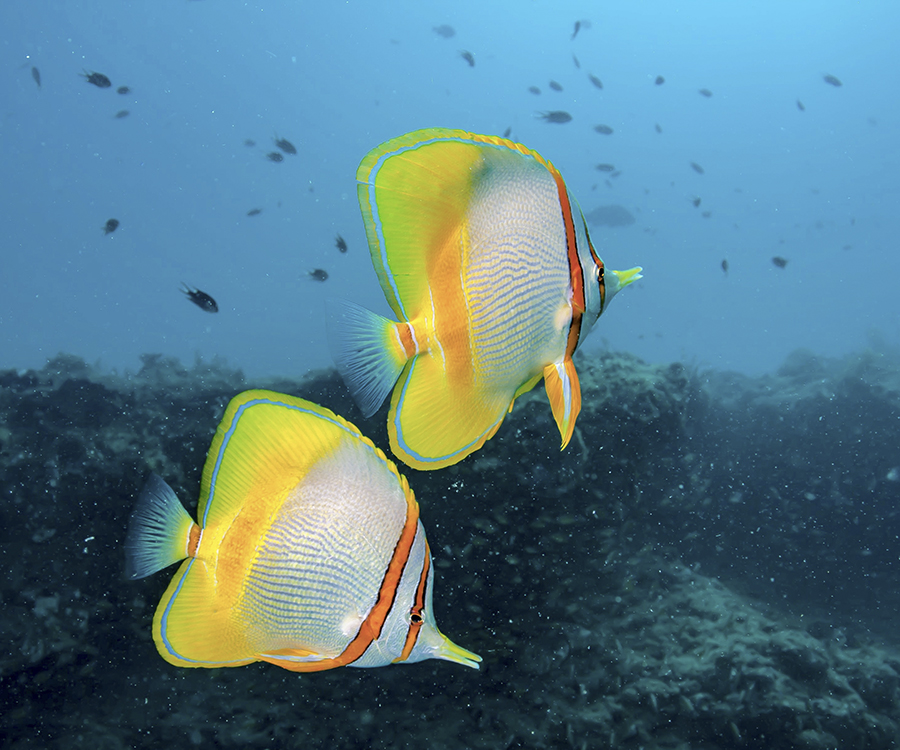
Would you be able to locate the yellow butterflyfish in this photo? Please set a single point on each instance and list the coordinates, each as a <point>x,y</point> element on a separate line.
<point>307,552</point>
<point>486,262</point>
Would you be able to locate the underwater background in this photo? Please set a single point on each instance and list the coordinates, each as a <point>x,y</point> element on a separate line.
<point>711,563</point>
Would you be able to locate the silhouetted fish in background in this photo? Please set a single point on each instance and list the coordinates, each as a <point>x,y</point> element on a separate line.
<point>98,79</point>
<point>800,106</point>
<point>556,86</point>
<point>779,261</point>
<point>274,156</point>
<point>696,201</point>
<point>249,142</point>
<point>575,60</point>
<point>507,132</point>
<point>659,80</point>
<point>468,57</point>
<point>657,128</point>
<point>603,129</point>
<point>557,116</point>
<point>832,80</point>
<point>285,145</point>
<point>534,90</point>
<point>318,274</point>
<point>596,81</point>
<point>444,30</point>
<point>725,266</point>
<point>697,168</point>
<point>201,299</point>
<point>340,243</point>
<point>36,74</point>
<point>122,113</point>
<point>606,168</point>
<point>254,212</point>
<point>111,226</point>
<point>123,90</point>
<point>705,92</point>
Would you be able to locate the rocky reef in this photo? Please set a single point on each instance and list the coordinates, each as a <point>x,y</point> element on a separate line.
<point>711,563</point>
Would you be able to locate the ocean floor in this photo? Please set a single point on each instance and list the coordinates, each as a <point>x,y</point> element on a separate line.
<point>711,563</point>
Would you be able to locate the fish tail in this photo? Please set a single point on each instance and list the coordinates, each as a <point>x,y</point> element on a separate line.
<point>160,531</point>
<point>370,351</point>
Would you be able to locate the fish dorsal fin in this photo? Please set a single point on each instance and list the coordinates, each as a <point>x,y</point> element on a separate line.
<point>414,200</point>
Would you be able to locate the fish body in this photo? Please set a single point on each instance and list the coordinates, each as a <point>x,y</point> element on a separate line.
<point>307,552</point>
<point>468,57</point>
<point>340,243</point>
<point>285,145</point>
<point>318,274</point>
<point>596,81</point>
<point>832,80</point>
<point>201,299</point>
<point>274,156</point>
<point>697,168</point>
<point>705,92</point>
<point>494,281</point>
<point>36,74</point>
<point>123,90</point>
<point>779,261</point>
<point>556,116</point>
<point>444,31</point>
<point>603,129</point>
<point>122,114</point>
<point>254,212</point>
<point>111,226</point>
<point>534,90</point>
<point>659,80</point>
<point>97,79</point>
<point>556,86</point>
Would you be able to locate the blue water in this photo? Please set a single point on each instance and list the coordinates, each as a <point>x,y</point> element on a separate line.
<point>817,187</point>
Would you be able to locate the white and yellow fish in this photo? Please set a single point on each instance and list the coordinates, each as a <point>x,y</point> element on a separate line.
<point>307,553</point>
<point>486,261</point>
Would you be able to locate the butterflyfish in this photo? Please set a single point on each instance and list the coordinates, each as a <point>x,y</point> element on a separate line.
<point>485,259</point>
<point>307,551</point>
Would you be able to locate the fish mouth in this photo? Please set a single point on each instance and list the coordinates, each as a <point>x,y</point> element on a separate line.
<point>451,652</point>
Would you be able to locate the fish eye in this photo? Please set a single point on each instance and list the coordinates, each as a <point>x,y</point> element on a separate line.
<point>416,618</point>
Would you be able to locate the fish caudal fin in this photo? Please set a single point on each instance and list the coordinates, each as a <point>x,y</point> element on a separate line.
<point>160,531</point>
<point>564,392</point>
<point>369,351</point>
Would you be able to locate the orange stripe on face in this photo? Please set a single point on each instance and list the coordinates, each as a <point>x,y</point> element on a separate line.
<point>371,627</point>
<point>416,616</point>
<point>576,273</point>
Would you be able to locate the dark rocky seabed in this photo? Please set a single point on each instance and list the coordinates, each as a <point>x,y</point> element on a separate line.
<point>712,563</point>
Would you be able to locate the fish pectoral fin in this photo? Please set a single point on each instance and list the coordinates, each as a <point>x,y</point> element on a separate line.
<point>564,393</point>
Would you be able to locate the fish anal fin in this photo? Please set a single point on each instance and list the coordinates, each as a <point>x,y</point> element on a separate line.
<point>564,393</point>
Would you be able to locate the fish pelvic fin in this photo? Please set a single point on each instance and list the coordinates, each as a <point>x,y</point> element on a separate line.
<point>160,531</point>
<point>370,351</point>
<point>564,392</point>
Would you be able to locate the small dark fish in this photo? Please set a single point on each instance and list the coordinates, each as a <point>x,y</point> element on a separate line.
<point>575,60</point>
<point>697,168</point>
<point>596,81</point>
<point>123,90</point>
<point>603,129</point>
<point>111,226</point>
<point>318,274</point>
<point>725,266</point>
<point>254,212</point>
<point>534,90</point>
<point>285,145</point>
<point>444,31</point>
<point>274,156</point>
<point>705,92</point>
<point>340,243</point>
<point>832,80</point>
<point>658,128</point>
<point>706,214</point>
<point>556,86</point>
<point>659,80</point>
<point>36,74</point>
<point>800,106</point>
<point>557,116</point>
<point>249,142</point>
<point>606,168</point>
<point>577,27</point>
<point>779,261</point>
<point>696,201</point>
<point>122,113</point>
<point>468,57</point>
<point>201,299</point>
<point>98,79</point>
<point>507,132</point>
